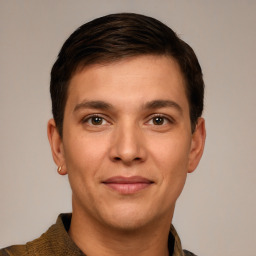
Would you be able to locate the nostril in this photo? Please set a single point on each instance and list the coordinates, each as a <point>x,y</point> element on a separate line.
<point>118,159</point>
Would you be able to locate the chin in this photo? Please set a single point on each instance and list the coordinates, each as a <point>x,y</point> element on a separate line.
<point>128,219</point>
<point>128,224</point>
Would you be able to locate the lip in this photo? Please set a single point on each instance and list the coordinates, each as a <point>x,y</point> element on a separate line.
<point>127,185</point>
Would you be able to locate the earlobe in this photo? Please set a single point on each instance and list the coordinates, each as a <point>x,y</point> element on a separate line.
<point>197,145</point>
<point>56,146</point>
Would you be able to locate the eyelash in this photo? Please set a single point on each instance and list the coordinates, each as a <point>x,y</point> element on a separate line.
<point>151,118</point>
<point>87,118</point>
<point>168,119</point>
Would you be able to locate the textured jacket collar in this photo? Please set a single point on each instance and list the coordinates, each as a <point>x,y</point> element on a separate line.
<point>56,241</point>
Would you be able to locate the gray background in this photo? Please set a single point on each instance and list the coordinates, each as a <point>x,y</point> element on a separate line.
<point>216,213</point>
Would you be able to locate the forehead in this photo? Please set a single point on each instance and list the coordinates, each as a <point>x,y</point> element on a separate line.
<point>131,80</point>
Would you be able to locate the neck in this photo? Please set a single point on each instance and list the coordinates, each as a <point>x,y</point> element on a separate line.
<point>95,239</point>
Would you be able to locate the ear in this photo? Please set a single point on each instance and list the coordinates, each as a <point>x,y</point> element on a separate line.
<point>197,145</point>
<point>56,146</point>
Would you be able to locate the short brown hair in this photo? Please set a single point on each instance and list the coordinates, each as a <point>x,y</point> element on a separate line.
<point>113,37</point>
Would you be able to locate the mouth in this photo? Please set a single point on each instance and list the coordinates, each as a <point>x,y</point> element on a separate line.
<point>128,185</point>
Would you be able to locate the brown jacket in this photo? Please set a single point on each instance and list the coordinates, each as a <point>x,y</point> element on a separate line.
<point>56,242</point>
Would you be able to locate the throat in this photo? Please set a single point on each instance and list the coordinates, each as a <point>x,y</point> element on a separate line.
<point>104,241</point>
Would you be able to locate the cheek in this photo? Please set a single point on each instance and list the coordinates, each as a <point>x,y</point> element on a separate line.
<point>170,149</point>
<point>171,156</point>
<point>83,159</point>
<point>83,155</point>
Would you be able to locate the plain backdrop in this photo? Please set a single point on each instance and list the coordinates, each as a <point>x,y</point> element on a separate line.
<point>216,213</point>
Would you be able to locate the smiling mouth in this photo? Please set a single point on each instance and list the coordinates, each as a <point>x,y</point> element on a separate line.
<point>127,185</point>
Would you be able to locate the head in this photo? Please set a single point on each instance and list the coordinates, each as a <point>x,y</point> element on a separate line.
<point>127,97</point>
<point>118,36</point>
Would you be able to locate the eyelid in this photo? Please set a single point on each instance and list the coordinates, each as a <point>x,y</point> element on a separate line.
<point>166,117</point>
<point>149,118</point>
<point>86,118</point>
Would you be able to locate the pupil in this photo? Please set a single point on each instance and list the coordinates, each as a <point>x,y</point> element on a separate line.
<point>158,120</point>
<point>96,120</point>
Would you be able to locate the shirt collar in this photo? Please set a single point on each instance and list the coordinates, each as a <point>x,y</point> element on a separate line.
<point>65,243</point>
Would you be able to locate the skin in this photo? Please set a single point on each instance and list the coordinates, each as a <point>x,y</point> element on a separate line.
<point>127,119</point>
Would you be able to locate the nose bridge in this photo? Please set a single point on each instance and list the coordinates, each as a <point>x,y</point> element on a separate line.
<point>128,143</point>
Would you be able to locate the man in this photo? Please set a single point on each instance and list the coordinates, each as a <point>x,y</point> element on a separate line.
<point>127,98</point>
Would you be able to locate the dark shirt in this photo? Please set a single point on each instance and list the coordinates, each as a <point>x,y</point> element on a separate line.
<point>56,241</point>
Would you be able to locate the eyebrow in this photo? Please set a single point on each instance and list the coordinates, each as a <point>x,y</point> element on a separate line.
<point>155,104</point>
<point>162,104</point>
<point>97,104</point>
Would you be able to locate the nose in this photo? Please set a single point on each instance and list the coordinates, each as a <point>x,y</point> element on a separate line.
<point>128,145</point>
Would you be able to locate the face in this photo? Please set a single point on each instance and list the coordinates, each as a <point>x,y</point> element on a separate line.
<point>127,144</point>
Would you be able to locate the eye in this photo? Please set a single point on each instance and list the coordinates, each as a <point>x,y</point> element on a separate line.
<point>159,120</point>
<point>95,120</point>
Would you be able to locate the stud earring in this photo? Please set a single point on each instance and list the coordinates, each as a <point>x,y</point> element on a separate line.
<point>59,169</point>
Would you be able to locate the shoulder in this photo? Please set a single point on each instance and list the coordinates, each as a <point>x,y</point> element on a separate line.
<point>187,253</point>
<point>55,241</point>
<point>14,250</point>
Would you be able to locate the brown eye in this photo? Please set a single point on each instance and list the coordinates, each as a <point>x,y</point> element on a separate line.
<point>96,120</point>
<point>158,120</point>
